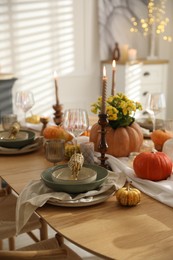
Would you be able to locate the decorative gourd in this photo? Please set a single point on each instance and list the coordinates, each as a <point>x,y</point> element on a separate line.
<point>128,196</point>
<point>154,166</point>
<point>70,150</point>
<point>56,132</point>
<point>159,137</point>
<point>121,141</point>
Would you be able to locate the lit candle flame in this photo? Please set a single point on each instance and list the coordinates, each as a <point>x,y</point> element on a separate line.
<point>104,71</point>
<point>55,74</point>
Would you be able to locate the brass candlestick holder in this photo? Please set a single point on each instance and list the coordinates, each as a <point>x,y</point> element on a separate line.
<point>103,122</point>
<point>58,114</point>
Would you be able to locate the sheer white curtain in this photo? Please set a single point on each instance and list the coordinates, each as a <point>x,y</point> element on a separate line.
<point>36,38</point>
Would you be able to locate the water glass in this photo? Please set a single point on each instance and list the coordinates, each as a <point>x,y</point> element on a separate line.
<point>8,120</point>
<point>55,150</point>
<point>168,125</point>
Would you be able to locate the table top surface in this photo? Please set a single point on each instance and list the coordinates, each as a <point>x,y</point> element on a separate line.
<point>106,229</point>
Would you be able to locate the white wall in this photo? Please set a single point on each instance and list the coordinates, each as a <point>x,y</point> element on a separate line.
<point>166,51</point>
<point>83,88</point>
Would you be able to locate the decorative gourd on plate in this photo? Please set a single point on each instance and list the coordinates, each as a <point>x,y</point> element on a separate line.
<point>154,166</point>
<point>123,134</point>
<point>128,196</point>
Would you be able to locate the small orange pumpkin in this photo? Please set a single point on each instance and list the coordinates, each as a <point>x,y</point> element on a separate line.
<point>154,166</point>
<point>56,132</point>
<point>159,137</point>
<point>121,141</point>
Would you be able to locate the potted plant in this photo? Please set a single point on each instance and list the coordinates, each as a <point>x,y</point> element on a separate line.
<point>123,134</point>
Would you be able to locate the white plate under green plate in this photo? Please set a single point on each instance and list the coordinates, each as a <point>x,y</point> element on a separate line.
<point>34,146</point>
<point>102,175</point>
<point>84,202</point>
<point>64,176</point>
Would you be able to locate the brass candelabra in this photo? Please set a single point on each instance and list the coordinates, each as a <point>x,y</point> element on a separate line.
<point>103,122</point>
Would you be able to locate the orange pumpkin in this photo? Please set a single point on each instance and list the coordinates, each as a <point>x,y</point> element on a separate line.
<point>159,137</point>
<point>154,166</point>
<point>56,132</point>
<point>121,141</point>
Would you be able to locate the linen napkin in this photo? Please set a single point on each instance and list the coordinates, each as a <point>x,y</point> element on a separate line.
<point>36,194</point>
<point>159,190</point>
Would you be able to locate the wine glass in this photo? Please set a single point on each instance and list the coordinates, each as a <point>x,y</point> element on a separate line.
<point>24,100</point>
<point>76,122</point>
<point>55,150</point>
<point>155,104</point>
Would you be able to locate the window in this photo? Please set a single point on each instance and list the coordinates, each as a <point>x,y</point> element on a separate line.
<point>36,38</point>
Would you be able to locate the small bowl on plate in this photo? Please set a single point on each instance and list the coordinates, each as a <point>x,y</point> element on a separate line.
<point>23,138</point>
<point>64,176</point>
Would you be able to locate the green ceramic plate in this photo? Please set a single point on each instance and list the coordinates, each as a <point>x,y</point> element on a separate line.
<point>25,138</point>
<point>102,175</point>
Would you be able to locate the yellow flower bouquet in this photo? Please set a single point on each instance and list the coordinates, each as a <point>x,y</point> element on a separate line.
<point>119,109</point>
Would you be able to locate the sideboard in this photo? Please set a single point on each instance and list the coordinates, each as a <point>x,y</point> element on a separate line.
<point>137,78</point>
<point>6,83</point>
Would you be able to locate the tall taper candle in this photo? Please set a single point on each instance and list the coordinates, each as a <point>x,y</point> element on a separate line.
<point>56,87</point>
<point>104,88</point>
<point>113,77</point>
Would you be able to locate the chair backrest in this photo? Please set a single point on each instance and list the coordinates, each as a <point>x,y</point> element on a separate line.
<point>49,254</point>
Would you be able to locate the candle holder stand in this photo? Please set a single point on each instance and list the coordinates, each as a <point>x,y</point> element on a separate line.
<point>103,122</point>
<point>44,121</point>
<point>58,114</point>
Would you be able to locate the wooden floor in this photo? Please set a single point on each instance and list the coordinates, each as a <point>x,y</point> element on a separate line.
<point>24,240</point>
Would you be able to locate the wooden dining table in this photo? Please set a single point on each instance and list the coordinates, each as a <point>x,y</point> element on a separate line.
<point>107,229</point>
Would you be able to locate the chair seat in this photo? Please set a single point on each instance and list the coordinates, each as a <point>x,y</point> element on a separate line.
<point>7,218</point>
<point>47,249</point>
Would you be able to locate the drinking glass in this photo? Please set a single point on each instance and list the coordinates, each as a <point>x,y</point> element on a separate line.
<point>55,150</point>
<point>76,122</point>
<point>24,100</point>
<point>155,104</point>
<point>8,120</point>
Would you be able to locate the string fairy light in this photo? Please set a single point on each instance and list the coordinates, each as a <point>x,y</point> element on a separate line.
<point>156,21</point>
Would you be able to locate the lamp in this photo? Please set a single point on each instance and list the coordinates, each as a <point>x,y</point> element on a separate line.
<point>154,24</point>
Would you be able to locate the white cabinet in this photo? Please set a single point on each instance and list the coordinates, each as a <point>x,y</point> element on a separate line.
<point>153,79</point>
<point>139,78</point>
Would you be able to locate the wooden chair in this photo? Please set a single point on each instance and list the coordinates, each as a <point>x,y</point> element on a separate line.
<point>45,250</point>
<point>7,220</point>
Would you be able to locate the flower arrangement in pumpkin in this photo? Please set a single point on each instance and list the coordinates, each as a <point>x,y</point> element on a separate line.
<point>119,108</point>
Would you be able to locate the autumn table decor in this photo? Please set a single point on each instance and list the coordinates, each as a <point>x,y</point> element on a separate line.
<point>154,166</point>
<point>128,196</point>
<point>123,135</point>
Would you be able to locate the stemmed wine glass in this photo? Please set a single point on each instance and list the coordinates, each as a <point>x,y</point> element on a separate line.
<point>24,100</point>
<point>76,122</point>
<point>155,104</point>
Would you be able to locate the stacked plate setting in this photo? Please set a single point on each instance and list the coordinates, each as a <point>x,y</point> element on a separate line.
<point>22,139</point>
<point>59,178</point>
